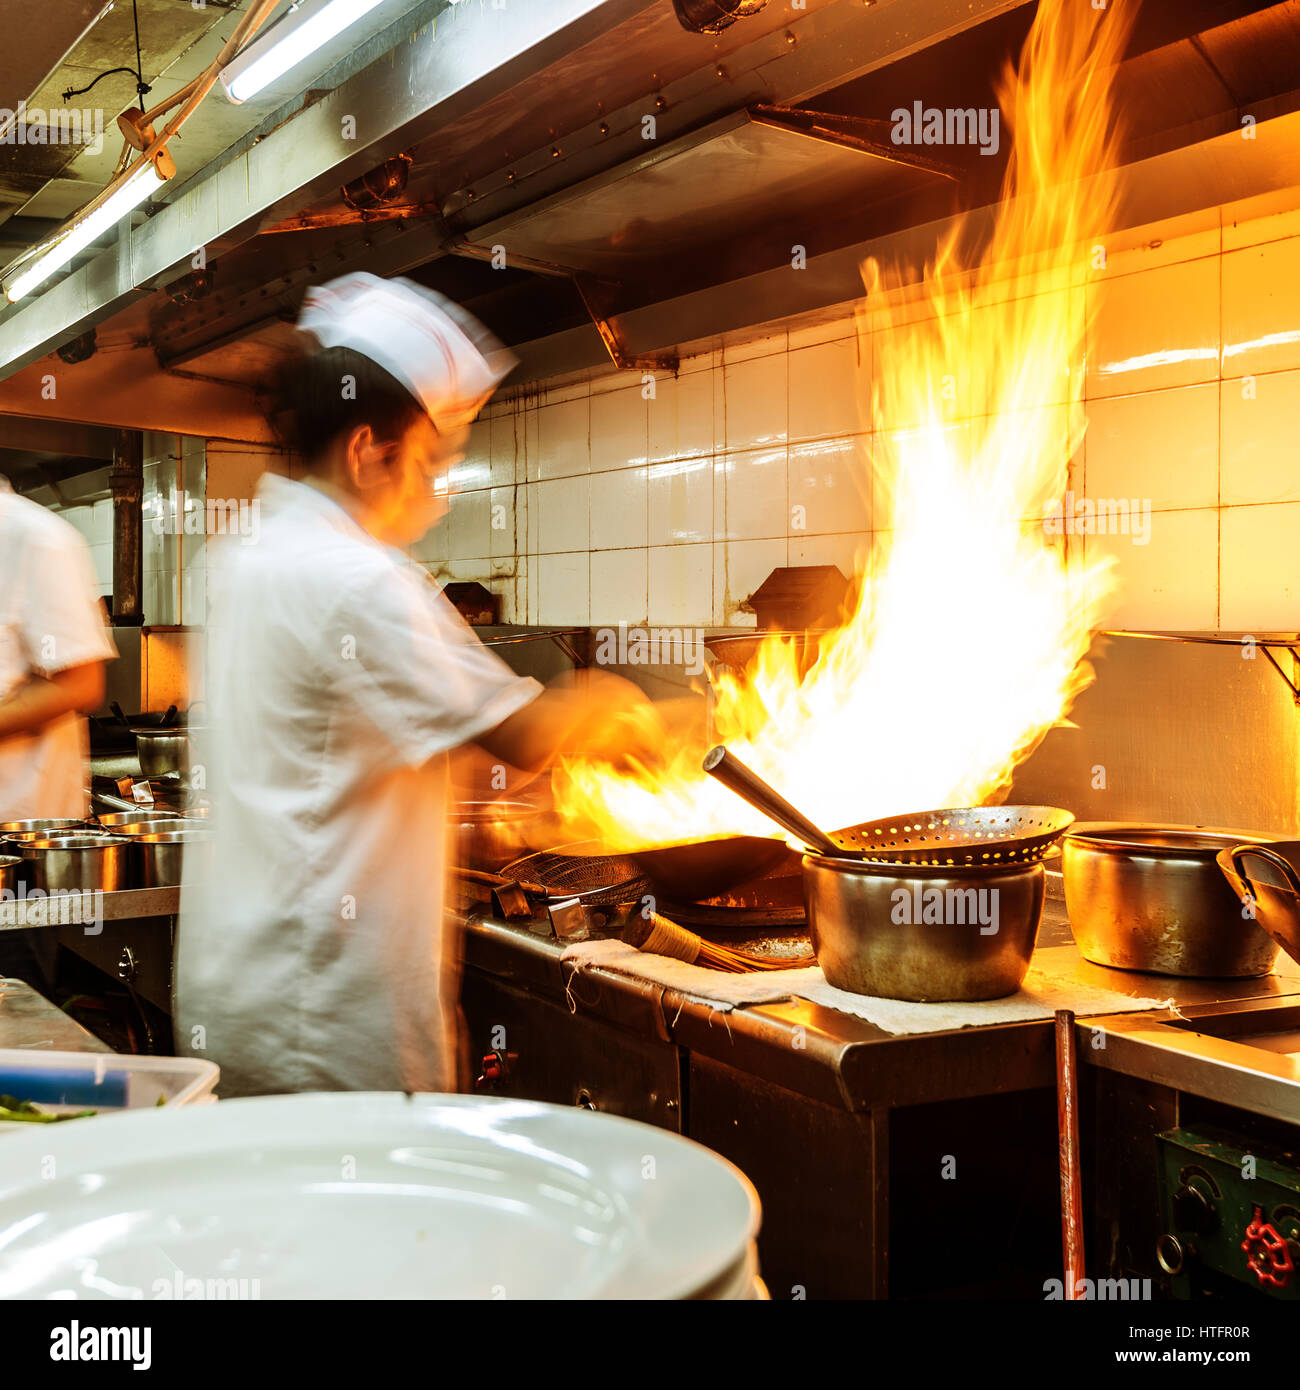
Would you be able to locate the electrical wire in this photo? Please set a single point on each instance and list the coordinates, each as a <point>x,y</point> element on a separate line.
<point>191,95</point>
<point>142,88</point>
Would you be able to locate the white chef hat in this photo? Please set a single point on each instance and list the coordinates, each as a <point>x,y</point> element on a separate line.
<point>441,353</point>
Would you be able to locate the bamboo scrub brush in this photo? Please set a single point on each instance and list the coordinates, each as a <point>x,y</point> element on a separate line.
<point>650,932</point>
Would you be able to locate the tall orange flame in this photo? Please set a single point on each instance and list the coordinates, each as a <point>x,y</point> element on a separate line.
<point>970,636</point>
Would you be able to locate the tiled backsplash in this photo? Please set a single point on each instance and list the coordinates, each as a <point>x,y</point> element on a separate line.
<point>613,497</point>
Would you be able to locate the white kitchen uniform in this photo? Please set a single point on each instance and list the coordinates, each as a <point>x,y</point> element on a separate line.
<point>50,620</point>
<point>338,680</point>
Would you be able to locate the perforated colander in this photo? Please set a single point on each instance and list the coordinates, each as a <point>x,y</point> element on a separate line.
<point>962,837</point>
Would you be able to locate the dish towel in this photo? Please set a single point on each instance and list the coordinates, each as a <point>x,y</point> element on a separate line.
<point>1039,997</point>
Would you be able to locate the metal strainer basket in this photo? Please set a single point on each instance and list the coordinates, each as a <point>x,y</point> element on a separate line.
<point>963,837</point>
<point>593,877</point>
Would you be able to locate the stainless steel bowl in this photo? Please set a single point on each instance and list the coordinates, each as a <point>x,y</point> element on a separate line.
<point>1152,898</point>
<point>164,855</point>
<point>82,863</point>
<point>921,932</point>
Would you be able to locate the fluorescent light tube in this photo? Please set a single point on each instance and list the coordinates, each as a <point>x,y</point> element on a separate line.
<point>146,179</point>
<point>309,25</point>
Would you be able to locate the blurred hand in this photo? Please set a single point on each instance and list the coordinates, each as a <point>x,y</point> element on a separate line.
<point>620,723</point>
<point>590,712</point>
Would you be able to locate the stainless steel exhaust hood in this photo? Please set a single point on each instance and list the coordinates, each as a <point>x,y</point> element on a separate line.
<point>600,157</point>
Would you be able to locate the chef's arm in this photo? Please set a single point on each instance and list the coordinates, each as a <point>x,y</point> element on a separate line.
<point>532,736</point>
<point>603,715</point>
<point>42,699</point>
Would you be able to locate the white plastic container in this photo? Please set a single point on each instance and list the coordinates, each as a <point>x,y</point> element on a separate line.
<point>106,1082</point>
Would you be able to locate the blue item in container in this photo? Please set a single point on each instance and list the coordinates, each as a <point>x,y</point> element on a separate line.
<point>66,1086</point>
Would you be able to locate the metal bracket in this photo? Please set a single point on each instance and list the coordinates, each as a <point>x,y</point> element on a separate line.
<point>596,295</point>
<point>860,133</point>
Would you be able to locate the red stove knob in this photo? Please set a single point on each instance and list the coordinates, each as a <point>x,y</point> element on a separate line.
<point>493,1064</point>
<point>1267,1253</point>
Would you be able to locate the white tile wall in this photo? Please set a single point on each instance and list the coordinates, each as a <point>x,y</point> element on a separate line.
<point>677,498</point>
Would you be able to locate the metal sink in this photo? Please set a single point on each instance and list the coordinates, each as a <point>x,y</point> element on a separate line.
<point>1244,1054</point>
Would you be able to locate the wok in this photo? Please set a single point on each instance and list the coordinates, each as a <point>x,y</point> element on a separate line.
<point>688,872</point>
<point>706,868</point>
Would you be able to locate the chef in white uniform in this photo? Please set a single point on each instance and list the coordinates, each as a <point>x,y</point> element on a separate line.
<point>53,648</point>
<point>312,957</point>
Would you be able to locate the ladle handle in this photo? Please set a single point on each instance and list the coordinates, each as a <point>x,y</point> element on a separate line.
<point>750,787</point>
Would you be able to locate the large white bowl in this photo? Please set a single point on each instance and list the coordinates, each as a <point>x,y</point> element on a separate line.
<point>370,1195</point>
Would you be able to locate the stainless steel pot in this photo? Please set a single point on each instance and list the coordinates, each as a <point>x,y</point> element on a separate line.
<point>82,863</point>
<point>163,751</point>
<point>151,825</point>
<point>10,872</point>
<point>114,819</point>
<point>164,854</point>
<point>37,827</point>
<point>927,933</point>
<point>1152,898</point>
<point>491,834</point>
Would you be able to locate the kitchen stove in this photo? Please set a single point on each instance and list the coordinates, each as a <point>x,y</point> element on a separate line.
<point>1232,1214</point>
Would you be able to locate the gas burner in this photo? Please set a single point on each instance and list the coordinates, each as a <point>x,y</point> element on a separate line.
<point>763,918</point>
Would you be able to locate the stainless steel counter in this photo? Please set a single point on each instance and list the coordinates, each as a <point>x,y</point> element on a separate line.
<point>29,1020</point>
<point>850,1063</point>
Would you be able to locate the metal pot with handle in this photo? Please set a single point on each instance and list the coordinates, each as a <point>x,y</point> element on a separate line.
<point>1153,898</point>
<point>163,751</point>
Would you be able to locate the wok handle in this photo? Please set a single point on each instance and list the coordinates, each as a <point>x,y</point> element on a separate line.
<point>750,787</point>
<point>1270,856</point>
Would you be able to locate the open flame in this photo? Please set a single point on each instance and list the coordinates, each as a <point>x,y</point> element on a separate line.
<point>969,638</point>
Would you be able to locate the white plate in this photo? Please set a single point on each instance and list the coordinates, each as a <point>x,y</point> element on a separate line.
<point>367,1195</point>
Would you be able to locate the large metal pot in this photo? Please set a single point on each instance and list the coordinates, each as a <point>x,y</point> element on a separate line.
<point>113,820</point>
<point>163,751</point>
<point>1152,898</point>
<point>491,834</point>
<point>163,854</point>
<point>11,828</point>
<point>927,933</point>
<point>77,863</point>
<point>10,872</point>
<point>152,825</point>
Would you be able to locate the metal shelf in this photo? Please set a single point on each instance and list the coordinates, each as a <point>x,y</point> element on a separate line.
<point>1265,641</point>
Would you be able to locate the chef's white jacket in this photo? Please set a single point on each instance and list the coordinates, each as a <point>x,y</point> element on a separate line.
<point>50,620</point>
<point>338,678</point>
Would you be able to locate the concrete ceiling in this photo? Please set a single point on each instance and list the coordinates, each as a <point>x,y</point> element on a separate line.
<point>33,51</point>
